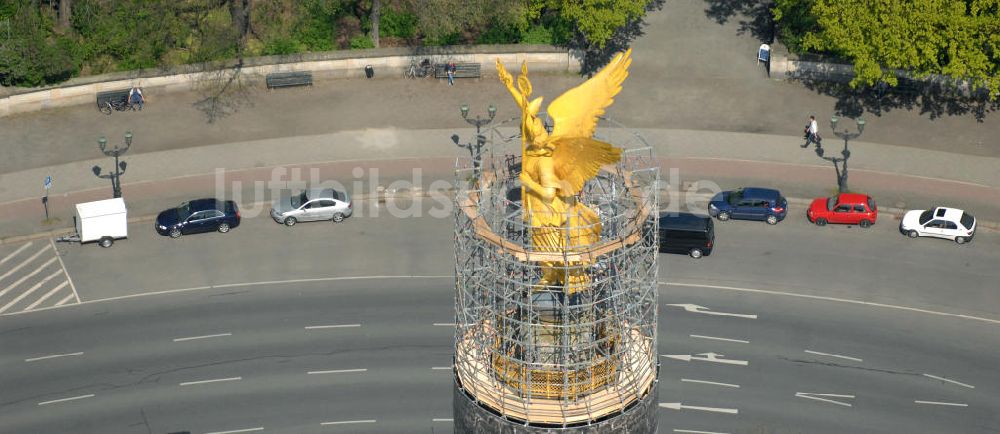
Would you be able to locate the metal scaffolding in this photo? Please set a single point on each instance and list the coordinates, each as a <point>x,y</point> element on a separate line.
<point>556,356</point>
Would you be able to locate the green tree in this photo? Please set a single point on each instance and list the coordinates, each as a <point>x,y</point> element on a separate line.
<point>596,20</point>
<point>957,38</point>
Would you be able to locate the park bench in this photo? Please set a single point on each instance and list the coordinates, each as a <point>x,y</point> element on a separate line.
<point>287,79</point>
<point>112,96</point>
<point>462,70</point>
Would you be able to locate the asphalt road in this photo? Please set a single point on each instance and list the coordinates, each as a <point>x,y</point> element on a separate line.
<point>223,344</point>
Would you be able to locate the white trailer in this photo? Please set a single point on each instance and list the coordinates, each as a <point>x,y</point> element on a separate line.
<point>103,221</point>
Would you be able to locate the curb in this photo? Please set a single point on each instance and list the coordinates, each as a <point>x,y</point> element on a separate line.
<point>895,213</point>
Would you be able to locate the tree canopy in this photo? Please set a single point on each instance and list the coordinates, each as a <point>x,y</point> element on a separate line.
<point>48,41</point>
<point>956,38</point>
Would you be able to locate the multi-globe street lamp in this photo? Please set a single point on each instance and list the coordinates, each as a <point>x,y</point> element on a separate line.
<point>845,153</point>
<point>119,168</point>
<point>475,149</point>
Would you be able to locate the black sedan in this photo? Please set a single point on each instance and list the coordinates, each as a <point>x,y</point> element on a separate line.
<point>200,215</point>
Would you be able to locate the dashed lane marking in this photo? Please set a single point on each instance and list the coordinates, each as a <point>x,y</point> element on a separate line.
<point>336,371</point>
<point>854,359</point>
<point>348,422</point>
<point>338,326</point>
<point>720,339</point>
<point>53,356</point>
<point>737,386</point>
<point>217,380</point>
<point>236,431</point>
<point>192,338</point>
<point>54,401</point>
<point>950,381</point>
<point>949,404</point>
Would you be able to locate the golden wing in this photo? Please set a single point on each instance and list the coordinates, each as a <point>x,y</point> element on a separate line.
<point>574,113</point>
<point>577,159</point>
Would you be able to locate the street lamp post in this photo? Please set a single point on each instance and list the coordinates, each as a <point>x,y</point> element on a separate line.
<point>475,149</point>
<point>119,169</point>
<point>845,153</point>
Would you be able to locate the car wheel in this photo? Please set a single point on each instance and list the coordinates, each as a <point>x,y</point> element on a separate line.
<point>961,240</point>
<point>106,242</point>
<point>820,222</point>
<point>772,219</point>
<point>865,224</point>
<point>290,221</point>
<point>174,233</point>
<point>338,217</point>
<point>912,233</point>
<point>695,253</point>
<point>723,216</point>
<point>224,227</point>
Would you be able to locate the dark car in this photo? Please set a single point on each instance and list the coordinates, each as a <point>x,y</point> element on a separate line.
<point>749,203</point>
<point>686,233</point>
<point>200,215</point>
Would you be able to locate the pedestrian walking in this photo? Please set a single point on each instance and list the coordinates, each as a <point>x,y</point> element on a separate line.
<point>812,133</point>
<point>451,73</point>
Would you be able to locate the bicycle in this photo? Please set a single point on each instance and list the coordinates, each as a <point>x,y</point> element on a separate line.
<point>111,106</point>
<point>423,70</point>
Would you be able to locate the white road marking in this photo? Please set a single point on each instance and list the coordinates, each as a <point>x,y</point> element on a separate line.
<point>29,291</point>
<point>19,250</point>
<point>332,326</point>
<point>825,397</point>
<point>62,302</point>
<point>444,324</point>
<point>26,277</point>
<point>66,399</point>
<point>834,299</point>
<point>950,381</point>
<point>708,357</point>
<point>679,406</point>
<point>339,371</point>
<point>235,431</point>
<point>202,337</point>
<point>834,355</point>
<point>345,422</point>
<point>697,432</point>
<point>63,266</point>
<point>217,380</point>
<point>23,263</point>
<point>720,339</point>
<point>47,295</point>
<point>442,420</point>
<point>951,404</point>
<point>702,309</point>
<point>441,368</point>
<point>710,382</point>
<point>53,356</point>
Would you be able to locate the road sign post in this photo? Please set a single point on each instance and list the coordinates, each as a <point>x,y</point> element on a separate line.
<point>45,199</point>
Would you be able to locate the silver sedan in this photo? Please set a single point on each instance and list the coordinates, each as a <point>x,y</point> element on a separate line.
<point>310,205</point>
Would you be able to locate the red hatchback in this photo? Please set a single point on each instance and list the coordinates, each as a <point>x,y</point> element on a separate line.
<point>844,208</point>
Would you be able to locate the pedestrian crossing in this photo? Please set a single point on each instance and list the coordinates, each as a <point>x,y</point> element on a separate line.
<point>32,277</point>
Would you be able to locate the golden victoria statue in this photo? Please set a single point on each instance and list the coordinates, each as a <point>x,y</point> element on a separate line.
<point>556,166</point>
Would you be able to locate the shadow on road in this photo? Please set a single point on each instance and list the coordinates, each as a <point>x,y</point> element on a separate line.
<point>927,98</point>
<point>755,16</point>
<point>595,57</point>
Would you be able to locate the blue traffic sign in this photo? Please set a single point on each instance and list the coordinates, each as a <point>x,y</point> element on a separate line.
<point>48,182</point>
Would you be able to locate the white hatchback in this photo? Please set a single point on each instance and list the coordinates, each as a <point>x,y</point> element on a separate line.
<point>941,222</point>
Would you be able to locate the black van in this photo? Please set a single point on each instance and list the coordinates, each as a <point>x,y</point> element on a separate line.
<point>686,233</point>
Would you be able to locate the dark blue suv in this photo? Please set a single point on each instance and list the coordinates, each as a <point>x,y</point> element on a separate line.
<point>749,203</point>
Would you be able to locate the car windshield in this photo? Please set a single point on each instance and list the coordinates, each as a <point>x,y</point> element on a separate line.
<point>967,220</point>
<point>299,199</point>
<point>735,197</point>
<point>831,203</point>
<point>338,195</point>
<point>925,217</point>
<point>184,211</point>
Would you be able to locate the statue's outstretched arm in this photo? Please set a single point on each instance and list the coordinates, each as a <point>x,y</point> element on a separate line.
<point>508,80</point>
